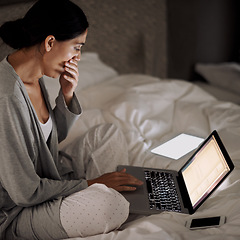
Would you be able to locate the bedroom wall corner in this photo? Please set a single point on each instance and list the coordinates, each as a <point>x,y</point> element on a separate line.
<point>201,31</point>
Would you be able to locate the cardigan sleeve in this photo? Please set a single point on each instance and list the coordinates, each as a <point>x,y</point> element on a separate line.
<point>65,116</point>
<point>19,157</point>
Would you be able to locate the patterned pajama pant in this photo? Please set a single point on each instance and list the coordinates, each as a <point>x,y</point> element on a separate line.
<point>94,210</point>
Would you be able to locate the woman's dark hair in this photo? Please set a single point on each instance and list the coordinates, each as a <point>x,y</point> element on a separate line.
<point>60,18</point>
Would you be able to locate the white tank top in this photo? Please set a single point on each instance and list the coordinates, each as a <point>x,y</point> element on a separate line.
<point>46,127</point>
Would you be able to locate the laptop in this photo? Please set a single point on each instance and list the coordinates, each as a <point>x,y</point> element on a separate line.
<point>184,190</point>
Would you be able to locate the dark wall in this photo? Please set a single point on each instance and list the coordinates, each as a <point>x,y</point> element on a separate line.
<point>201,31</point>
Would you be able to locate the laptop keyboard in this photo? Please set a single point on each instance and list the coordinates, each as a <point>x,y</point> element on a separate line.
<point>162,193</point>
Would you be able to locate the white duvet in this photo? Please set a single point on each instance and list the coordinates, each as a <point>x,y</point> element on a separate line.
<point>150,111</point>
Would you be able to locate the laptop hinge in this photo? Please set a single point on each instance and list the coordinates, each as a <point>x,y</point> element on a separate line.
<point>185,197</point>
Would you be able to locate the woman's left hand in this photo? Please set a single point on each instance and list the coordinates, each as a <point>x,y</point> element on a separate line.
<point>69,79</point>
<point>119,181</point>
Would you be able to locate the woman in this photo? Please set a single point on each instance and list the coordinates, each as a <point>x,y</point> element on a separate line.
<point>44,193</point>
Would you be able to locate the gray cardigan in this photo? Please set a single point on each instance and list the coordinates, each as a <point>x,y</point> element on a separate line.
<point>30,170</point>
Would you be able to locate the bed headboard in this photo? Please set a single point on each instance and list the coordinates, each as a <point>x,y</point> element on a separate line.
<point>9,2</point>
<point>164,38</point>
<point>129,35</point>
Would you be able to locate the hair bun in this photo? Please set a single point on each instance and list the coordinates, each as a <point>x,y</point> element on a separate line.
<point>13,34</point>
<point>65,23</point>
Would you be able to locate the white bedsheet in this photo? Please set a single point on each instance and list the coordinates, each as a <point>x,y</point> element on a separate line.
<point>150,111</point>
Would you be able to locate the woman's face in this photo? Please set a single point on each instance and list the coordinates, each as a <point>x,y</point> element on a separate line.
<point>59,52</point>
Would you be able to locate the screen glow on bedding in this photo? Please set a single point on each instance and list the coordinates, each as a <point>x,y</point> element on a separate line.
<point>178,146</point>
<point>204,171</point>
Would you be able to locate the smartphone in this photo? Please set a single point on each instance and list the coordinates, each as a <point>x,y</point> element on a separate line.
<point>207,222</point>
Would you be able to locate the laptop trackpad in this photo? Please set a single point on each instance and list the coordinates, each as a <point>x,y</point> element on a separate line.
<point>138,199</point>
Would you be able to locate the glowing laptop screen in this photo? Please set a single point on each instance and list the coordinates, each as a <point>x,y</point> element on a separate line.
<point>204,171</point>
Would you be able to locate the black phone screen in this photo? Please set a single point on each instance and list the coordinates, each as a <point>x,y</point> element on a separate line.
<point>201,222</point>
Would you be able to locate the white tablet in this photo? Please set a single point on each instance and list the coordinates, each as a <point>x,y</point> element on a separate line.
<point>178,146</point>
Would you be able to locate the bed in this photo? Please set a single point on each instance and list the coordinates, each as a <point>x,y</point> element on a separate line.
<point>151,109</point>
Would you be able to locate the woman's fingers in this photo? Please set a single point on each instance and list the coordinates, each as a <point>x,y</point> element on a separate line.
<point>125,178</point>
<point>125,189</point>
<point>120,181</point>
<point>69,79</point>
<point>72,70</point>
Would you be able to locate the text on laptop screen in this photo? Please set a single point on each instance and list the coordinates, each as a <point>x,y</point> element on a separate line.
<point>204,171</point>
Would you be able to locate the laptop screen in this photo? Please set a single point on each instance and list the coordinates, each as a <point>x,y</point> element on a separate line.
<point>204,171</point>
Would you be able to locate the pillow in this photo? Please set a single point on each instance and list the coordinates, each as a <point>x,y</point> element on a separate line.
<point>91,71</point>
<point>224,75</point>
